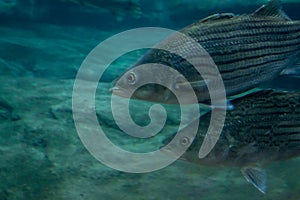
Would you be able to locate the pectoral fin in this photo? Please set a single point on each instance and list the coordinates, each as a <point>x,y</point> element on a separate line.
<point>283,83</point>
<point>292,71</point>
<point>220,105</point>
<point>200,84</point>
<point>257,177</point>
<point>194,84</point>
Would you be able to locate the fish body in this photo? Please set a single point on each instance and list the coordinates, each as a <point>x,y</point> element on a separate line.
<point>248,50</point>
<point>264,127</point>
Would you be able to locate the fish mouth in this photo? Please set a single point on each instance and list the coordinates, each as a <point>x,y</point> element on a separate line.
<point>115,90</point>
<point>170,152</point>
<point>167,151</point>
<point>118,92</point>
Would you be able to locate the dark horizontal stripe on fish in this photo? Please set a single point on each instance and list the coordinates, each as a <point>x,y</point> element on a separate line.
<point>296,145</point>
<point>289,43</point>
<point>253,57</point>
<point>247,62</point>
<point>257,47</point>
<point>272,110</point>
<point>275,131</point>
<point>239,33</point>
<point>272,37</point>
<point>244,29</point>
<point>262,46</point>
<point>278,112</point>
<point>291,124</point>
<point>250,22</point>
<point>254,71</point>
<point>221,44</point>
<point>240,62</point>
<point>256,113</point>
<point>266,133</point>
<point>295,140</point>
<point>282,132</point>
<point>294,136</point>
<point>228,75</point>
<point>261,113</point>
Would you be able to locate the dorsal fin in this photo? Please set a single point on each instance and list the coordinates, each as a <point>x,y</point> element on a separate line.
<point>216,17</point>
<point>272,9</point>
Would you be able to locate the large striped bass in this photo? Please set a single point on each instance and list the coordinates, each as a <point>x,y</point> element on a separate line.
<point>264,127</point>
<point>248,50</point>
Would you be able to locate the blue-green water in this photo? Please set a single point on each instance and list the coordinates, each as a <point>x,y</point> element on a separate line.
<point>42,45</point>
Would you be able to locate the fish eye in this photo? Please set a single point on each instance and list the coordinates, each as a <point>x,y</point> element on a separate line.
<point>176,86</point>
<point>185,141</point>
<point>131,78</point>
<point>178,82</point>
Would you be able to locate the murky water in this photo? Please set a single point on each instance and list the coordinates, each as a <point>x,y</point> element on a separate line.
<point>42,45</point>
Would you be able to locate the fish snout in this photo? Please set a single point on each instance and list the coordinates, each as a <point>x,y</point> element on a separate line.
<point>114,89</point>
<point>119,92</point>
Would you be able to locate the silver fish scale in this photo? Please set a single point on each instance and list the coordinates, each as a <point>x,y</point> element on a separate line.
<point>268,121</point>
<point>248,48</point>
<point>263,127</point>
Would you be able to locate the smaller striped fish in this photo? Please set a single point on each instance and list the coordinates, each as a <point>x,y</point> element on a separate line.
<point>247,49</point>
<point>263,127</point>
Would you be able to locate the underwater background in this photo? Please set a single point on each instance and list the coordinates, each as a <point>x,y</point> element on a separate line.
<point>42,45</point>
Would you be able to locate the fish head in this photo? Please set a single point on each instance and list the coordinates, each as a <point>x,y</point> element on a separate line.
<point>219,155</point>
<point>129,85</point>
<point>159,86</point>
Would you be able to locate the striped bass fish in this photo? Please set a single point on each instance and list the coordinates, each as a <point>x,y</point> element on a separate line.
<point>264,127</point>
<point>248,50</point>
